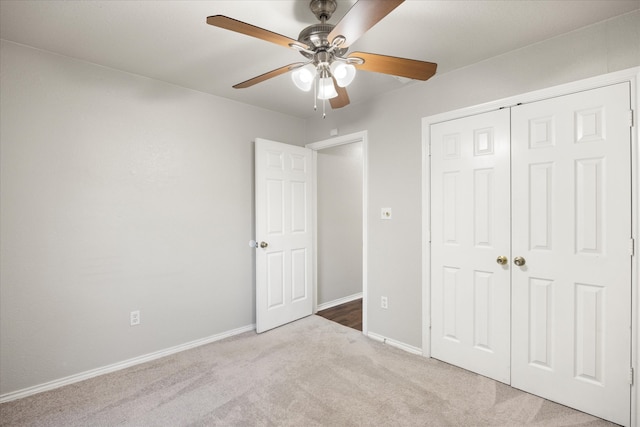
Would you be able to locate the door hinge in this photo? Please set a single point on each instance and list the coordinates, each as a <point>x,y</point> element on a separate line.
<point>630,118</point>
<point>631,376</point>
<point>429,149</point>
<point>632,246</point>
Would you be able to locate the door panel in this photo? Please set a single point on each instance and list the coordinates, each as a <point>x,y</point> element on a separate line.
<point>470,216</point>
<point>571,201</point>
<point>283,209</point>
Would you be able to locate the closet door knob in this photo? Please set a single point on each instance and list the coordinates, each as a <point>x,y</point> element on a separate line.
<point>502,260</point>
<point>519,261</point>
<point>263,245</point>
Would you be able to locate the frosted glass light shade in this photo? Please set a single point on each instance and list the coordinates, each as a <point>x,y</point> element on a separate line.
<point>344,73</point>
<point>303,77</point>
<point>326,90</point>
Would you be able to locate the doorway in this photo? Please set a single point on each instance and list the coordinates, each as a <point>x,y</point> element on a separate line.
<point>340,225</point>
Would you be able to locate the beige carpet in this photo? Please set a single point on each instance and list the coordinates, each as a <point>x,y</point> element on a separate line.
<point>309,373</point>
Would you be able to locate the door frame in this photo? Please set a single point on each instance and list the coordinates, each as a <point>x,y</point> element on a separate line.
<point>315,147</point>
<point>632,76</point>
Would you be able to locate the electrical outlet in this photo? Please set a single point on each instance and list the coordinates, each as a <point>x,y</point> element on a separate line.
<point>134,318</point>
<point>384,302</point>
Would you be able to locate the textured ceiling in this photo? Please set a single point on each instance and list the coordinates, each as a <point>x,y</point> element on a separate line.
<point>170,41</point>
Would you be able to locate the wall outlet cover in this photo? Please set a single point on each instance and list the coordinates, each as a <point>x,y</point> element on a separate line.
<point>134,318</point>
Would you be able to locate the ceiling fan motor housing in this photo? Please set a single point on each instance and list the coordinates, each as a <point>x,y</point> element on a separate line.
<point>315,36</point>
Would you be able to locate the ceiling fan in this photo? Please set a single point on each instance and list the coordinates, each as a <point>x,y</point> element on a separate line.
<point>324,46</point>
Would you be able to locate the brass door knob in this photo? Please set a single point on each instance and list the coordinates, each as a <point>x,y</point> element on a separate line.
<point>502,260</point>
<point>519,261</point>
<point>263,245</point>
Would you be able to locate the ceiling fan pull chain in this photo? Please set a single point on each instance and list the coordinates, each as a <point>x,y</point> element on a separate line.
<point>315,95</point>
<point>324,113</point>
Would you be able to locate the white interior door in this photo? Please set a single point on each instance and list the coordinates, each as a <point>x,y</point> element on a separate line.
<point>283,232</point>
<point>571,339</point>
<point>470,291</point>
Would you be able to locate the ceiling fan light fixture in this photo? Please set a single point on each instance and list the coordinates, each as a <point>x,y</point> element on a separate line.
<point>326,90</point>
<point>303,77</point>
<point>344,73</point>
<point>325,45</point>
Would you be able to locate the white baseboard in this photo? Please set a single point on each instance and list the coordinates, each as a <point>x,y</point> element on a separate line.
<point>402,346</point>
<point>339,301</point>
<point>7,397</point>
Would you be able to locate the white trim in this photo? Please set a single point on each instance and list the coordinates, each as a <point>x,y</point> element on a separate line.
<point>635,261</point>
<point>538,95</point>
<point>29,391</point>
<point>631,75</point>
<point>338,301</point>
<point>365,231</point>
<point>314,227</point>
<point>426,240</point>
<point>397,344</point>
<point>338,140</point>
<point>332,142</point>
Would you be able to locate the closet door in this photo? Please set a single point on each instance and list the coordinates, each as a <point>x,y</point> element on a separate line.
<point>571,201</point>
<point>470,296</point>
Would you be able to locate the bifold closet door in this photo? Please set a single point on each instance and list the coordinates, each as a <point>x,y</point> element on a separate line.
<point>571,202</point>
<point>470,179</point>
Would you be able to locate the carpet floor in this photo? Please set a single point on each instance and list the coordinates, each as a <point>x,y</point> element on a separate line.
<point>312,372</point>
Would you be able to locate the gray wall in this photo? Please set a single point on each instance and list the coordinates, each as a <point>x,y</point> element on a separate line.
<point>119,193</point>
<point>339,217</point>
<point>393,123</point>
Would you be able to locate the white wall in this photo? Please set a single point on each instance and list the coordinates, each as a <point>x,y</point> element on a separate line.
<point>119,193</point>
<point>393,123</point>
<point>339,219</point>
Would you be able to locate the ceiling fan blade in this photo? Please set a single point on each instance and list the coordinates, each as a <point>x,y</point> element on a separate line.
<point>362,16</point>
<point>411,68</point>
<point>253,31</point>
<point>269,75</point>
<point>342,100</point>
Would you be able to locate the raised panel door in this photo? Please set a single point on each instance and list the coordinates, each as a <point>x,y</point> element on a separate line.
<point>283,209</point>
<point>470,296</point>
<point>571,198</point>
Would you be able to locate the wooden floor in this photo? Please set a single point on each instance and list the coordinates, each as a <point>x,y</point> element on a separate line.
<point>347,314</point>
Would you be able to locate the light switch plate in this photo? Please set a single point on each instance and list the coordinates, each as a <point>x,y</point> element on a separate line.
<point>385,213</point>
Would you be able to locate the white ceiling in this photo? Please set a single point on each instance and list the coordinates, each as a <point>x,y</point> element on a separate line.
<point>170,41</point>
